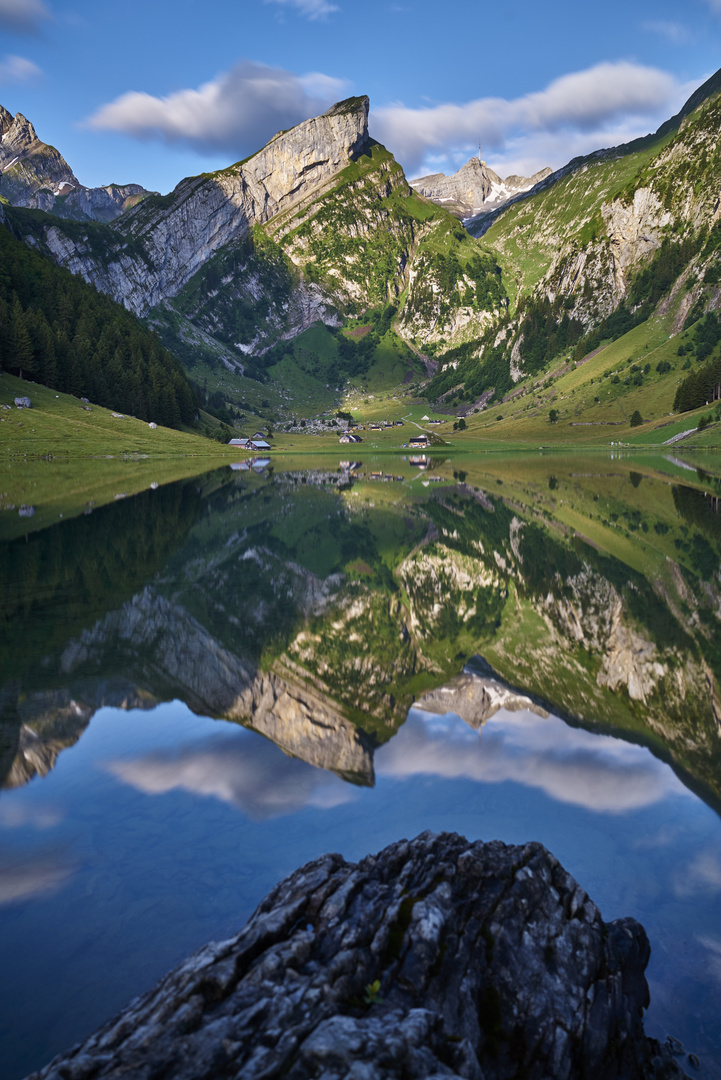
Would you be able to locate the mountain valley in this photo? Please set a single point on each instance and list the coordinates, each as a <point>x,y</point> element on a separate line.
<point>313,274</point>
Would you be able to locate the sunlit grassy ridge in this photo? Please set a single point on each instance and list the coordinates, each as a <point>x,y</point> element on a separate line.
<point>528,234</point>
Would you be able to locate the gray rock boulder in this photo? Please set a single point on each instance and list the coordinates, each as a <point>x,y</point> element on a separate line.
<point>436,958</point>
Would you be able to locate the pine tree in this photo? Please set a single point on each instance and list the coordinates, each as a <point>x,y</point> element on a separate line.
<point>20,346</point>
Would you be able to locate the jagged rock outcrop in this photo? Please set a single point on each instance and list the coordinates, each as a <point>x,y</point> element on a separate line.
<point>165,240</point>
<point>475,188</point>
<point>36,175</point>
<point>437,957</point>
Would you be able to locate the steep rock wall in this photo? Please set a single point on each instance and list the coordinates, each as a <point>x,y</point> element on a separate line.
<point>164,241</point>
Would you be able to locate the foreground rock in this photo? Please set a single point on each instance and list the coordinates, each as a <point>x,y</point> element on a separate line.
<point>436,957</point>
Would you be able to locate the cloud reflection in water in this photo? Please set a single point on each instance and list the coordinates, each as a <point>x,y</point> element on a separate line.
<point>19,815</point>
<point>712,946</point>
<point>570,765</point>
<point>241,769</point>
<point>22,878</point>
<point>703,874</point>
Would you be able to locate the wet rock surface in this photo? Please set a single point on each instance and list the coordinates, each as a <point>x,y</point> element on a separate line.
<point>437,957</point>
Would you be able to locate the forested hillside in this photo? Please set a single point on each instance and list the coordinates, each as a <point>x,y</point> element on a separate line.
<point>57,330</point>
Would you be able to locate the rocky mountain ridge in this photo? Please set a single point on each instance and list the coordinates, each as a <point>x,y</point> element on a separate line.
<point>163,241</point>
<point>36,175</point>
<point>322,225</point>
<point>318,224</point>
<point>475,188</point>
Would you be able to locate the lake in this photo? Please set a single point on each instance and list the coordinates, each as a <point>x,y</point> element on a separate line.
<point>208,683</point>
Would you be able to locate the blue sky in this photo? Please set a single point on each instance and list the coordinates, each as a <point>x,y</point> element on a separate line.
<point>150,91</point>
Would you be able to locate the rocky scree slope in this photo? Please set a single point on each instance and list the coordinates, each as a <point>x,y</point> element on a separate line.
<point>436,957</point>
<point>37,176</point>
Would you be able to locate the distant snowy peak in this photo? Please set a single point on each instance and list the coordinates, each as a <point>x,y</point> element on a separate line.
<point>36,175</point>
<point>474,189</point>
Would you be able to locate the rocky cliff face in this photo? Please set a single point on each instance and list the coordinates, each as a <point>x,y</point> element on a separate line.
<point>165,240</point>
<point>36,175</point>
<point>318,224</point>
<point>475,188</point>
<point>437,957</point>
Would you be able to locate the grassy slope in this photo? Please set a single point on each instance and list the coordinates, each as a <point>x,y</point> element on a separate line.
<point>361,227</point>
<point>68,487</point>
<point>583,420</point>
<point>613,503</point>
<point>526,236</point>
<point>57,425</point>
<point>62,460</point>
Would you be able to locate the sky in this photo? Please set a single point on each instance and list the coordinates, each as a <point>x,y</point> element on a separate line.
<point>151,91</point>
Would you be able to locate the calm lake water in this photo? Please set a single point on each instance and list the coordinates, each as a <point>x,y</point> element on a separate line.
<point>208,684</point>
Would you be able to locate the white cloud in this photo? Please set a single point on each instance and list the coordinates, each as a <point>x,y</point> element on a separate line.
<point>23,16</point>
<point>310,9</point>
<point>676,33</point>
<point>715,6</point>
<point>575,113</point>
<point>235,113</point>
<point>16,69</point>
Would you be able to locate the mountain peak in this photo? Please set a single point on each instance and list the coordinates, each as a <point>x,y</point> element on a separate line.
<point>6,119</point>
<point>350,105</point>
<point>474,188</point>
<point>20,135</point>
<point>36,175</point>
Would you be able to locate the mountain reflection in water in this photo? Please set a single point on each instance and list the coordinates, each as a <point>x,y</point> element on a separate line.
<point>316,609</point>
